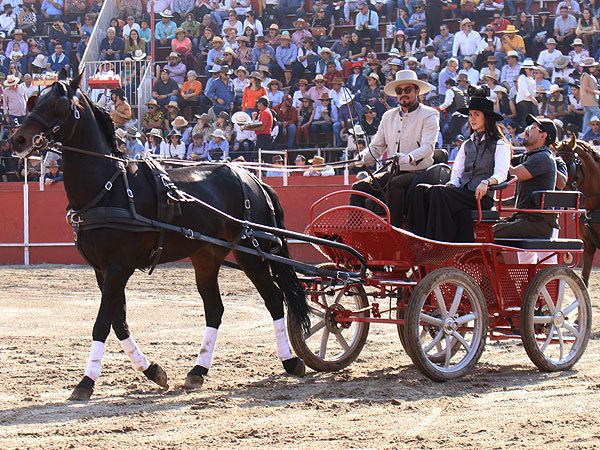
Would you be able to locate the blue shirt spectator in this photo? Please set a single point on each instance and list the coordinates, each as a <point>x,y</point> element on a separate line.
<point>222,93</point>
<point>286,54</point>
<point>58,59</point>
<point>165,29</point>
<point>52,8</point>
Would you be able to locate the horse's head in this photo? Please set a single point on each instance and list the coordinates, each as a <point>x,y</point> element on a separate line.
<point>53,117</point>
<point>567,150</point>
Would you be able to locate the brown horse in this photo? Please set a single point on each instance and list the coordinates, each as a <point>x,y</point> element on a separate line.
<point>583,162</point>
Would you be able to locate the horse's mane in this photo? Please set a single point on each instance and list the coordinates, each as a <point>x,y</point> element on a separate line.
<point>589,149</point>
<point>106,125</point>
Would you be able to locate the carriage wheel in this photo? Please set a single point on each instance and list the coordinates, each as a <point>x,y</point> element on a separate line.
<point>556,319</point>
<point>446,324</point>
<point>330,345</point>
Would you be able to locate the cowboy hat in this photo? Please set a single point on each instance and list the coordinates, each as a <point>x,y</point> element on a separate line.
<point>555,88</point>
<point>466,21</point>
<point>528,64</point>
<point>11,80</point>
<point>325,96</point>
<point>319,77</point>
<point>167,13</point>
<point>374,76</point>
<point>241,69</point>
<point>217,39</point>
<point>138,55</point>
<point>204,117</point>
<point>240,118</point>
<point>463,77</point>
<point>588,62</point>
<point>396,62</point>
<point>306,97</point>
<point>120,134</point>
<point>256,75</point>
<point>173,104</point>
<point>577,41</point>
<point>230,50</point>
<point>179,122</point>
<point>179,30</point>
<point>482,104</point>
<point>358,64</point>
<point>357,130</point>
<point>302,81</point>
<point>345,96</point>
<point>243,38</point>
<point>174,132</point>
<point>543,70</point>
<point>274,26</point>
<point>299,22</point>
<point>326,50</point>
<point>500,88</point>
<point>406,77</point>
<point>468,59</point>
<point>218,133</point>
<point>492,75</point>
<point>513,54</point>
<point>492,59</point>
<point>132,132</point>
<point>317,161</point>
<point>594,119</point>
<point>276,159</point>
<point>40,61</point>
<point>561,62</point>
<point>156,133</point>
<point>173,55</point>
<point>152,102</point>
<point>510,29</point>
<point>551,41</point>
<point>264,69</point>
<point>274,81</point>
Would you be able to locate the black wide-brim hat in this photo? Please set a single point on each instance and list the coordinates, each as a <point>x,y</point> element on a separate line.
<point>484,105</point>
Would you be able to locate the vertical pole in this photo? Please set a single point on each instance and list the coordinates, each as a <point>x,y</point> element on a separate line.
<point>285,173</point>
<point>25,218</point>
<point>152,37</point>
<point>260,172</point>
<point>42,173</point>
<point>346,171</point>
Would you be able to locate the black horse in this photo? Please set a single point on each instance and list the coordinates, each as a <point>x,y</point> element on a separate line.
<point>65,114</point>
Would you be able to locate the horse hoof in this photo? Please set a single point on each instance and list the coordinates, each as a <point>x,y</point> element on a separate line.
<point>83,391</point>
<point>156,373</point>
<point>295,367</point>
<point>193,381</point>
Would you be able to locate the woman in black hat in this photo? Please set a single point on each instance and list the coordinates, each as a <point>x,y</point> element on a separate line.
<point>443,212</point>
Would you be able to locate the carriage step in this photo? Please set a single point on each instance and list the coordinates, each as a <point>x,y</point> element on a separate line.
<point>542,244</point>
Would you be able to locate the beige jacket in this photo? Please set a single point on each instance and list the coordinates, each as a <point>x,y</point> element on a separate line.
<point>413,133</point>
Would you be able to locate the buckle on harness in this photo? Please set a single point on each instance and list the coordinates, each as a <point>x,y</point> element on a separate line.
<point>74,218</point>
<point>108,186</point>
<point>129,193</point>
<point>189,233</point>
<point>247,203</point>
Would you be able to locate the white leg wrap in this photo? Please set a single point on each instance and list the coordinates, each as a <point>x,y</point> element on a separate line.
<point>283,346</point>
<point>208,348</point>
<point>95,360</point>
<point>138,359</point>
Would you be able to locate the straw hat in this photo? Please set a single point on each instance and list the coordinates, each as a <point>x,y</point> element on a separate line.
<point>132,132</point>
<point>241,118</point>
<point>256,75</point>
<point>492,75</point>
<point>204,117</point>
<point>465,22</point>
<point>577,41</point>
<point>156,133</point>
<point>120,135</point>
<point>561,62</point>
<point>11,80</point>
<point>513,54</point>
<point>229,50</point>
<point>179,122</point>
<point>179,30</point>
<point>374,76</point>
<point>555,88</point>
<point>243,38</point>
<point>274,26</point>
<point>319,77</point>
<point>152,102</point>
<point>138,55</point>
<point>528,64</point>
<point>302,81</point>
<point>218,133</point>
<point>345,96</point>
<point>300,23</point>
<point>501,88</point>
<point>242,69</point>
<point>588,62</point>
<point>551,41</point>
<point>317,161</point>
<point>264,69</point>
<point>173,104</point>
<point>274,81</point>
<point>594,119</point>
<point>40,61</point>
<point>510,29</point>
<point>217,39</point>
<point>173,55</point>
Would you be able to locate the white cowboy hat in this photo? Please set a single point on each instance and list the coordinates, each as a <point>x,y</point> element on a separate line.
<point>406,77</point>
<point>179,121</point>
<point>133,132</point>
<point>156,133</point>
<point>120,134</point>
<point>345,96</point>
<point>40,61</point>
<point>11,80</point>
<point>241,118</point>
<point>138,55</point>
<point>218,133</point>
<point>167,13</point>
<point>357,130</point>
<point>528,64</point>
<point>593,119</point>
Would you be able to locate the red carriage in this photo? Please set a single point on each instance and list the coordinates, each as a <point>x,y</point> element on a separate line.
<point>446,299</point>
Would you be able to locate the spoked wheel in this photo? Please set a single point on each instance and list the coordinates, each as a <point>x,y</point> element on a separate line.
<point>446,324</point>
<point>330,344</point>
<point>556,318</point>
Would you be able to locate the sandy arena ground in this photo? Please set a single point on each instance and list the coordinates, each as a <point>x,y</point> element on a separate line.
<point>380,401</point>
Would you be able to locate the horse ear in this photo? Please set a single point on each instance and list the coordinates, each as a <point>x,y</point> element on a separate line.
<point>571,143</point>
<point>62,75</point>
<point>75,82</point>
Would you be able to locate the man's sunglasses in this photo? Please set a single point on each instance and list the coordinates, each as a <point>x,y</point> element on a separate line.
<point>407,90</point>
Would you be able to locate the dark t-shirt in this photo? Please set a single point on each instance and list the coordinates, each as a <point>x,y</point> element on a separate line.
<point>542,166</point>
<point>165,88</point>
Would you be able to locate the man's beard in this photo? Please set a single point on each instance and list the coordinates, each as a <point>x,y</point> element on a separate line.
<point>526,140</point>
<point>406,102</point>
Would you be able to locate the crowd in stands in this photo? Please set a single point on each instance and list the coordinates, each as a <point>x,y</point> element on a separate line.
<point>297,75</point>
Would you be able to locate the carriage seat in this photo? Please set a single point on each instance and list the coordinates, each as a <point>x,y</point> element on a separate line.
<point>487,215</point>
<point>541,244</point>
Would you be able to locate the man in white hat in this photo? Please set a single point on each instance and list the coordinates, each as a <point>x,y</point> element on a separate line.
<point>466,41</point>
<point>218,146</point>
<point>594,131</point>
<point>14,101</point>
<point>548,56</point>
<point>408,133</point>
<point>165,29</point>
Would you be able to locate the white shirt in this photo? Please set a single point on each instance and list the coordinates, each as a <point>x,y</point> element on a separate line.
<point>467,45</point>
<point>546,59</point>
<point>326,171</point>
<point>501,162</point>
<point>237,26</point>
<point>448,99</point>
<point>258,27</point>
<point>168,150</point>
<point>31,90</point>
<point>525,88</point>
<point>472,74</point>
<point>127,29</point>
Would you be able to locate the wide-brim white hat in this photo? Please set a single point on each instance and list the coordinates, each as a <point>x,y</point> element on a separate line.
<point>241,117</point>
<point>406,77</point>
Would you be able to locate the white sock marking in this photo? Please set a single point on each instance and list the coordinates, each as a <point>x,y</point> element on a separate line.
<point>137,357</point>
<point>283,346</point>
<point>208,348</point>
<point>95,360</point>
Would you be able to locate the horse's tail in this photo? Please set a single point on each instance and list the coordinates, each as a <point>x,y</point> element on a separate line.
<point>285,275</point>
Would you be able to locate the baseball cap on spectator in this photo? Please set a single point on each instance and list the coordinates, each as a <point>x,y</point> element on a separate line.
<point>546,125</point>
<point>165,70</point>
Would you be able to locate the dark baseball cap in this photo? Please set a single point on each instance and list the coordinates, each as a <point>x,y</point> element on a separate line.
<point>546,125</point>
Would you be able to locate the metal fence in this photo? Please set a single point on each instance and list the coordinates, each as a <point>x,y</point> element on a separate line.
<point>92,51</point>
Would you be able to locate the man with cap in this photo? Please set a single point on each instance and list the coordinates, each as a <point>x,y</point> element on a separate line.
<point>222,92</point>
<point>112,47</point>
<point>407,133</point>
<point>122,112</point>
<point>367,23</point>
<point>370,122</point>
<point>133,144</point>
<point>547,57</point>
<point>536,171</point>
<point>165,89</point>
<point>14,101</point>
<point>466,41</point>
<point>458,142</point>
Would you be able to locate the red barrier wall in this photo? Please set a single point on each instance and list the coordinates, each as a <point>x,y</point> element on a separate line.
<point>47,218</point>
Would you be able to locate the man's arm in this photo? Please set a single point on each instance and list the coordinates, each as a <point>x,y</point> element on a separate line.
<point>429,135</point>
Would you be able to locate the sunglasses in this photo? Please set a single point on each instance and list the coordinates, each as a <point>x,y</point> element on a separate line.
<point>319,81</point>
<point>407,90</point>
<point>468,25</point>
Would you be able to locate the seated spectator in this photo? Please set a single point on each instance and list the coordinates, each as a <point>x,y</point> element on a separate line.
<point>133,143</point>
<point>403,23</point>
<point>510,70</point>
<point>190,94</point>
<point>181,125</point>
<point>58,60</point>
<point>369,122</point>
<point>262,54</point>
<point>301,92</point>
<point>321,26</point>
<point>244,139</point>
<point>218,146</point>
<point>130,25</point>
<point>289,7</point>
<point>318,168</point>
<point>165,29</point>
<point>223,122</point>
<point>341,47</point>
<point>154,140</point>
<point>192,30</point>
<point>172,112</point>
<point>557,105</point>
<point>153,118</point>
<point>286,53</point>
<point>146,33</point>
<point>173,148</point>
<point>165,90</point>
<point>356,80</point>
<point>112,47</point>
<point>254,23</point>
<point>197,150</point>
<point>176,67</point>
<point>317,90</point>
<point>274,93</point>
<point>578,54</point>
<point>54,174</point>
<point>458,142</point>
<point>326,115</point>
<point>182,46</point>
<point>326,58</point>
<point>60,33</point>
<point>469,70</point>
<point>134,45</point>
<point>130,9</point>
<point>371,92</point>
<point>277,161</point>
<point>548,57</point>
<point>301,32</point>
<point>74,9</point>
<point>216,54</point>
<point>367,23</point>
<point>182,7</point>
<point>81,46</point>
<point>594,131</point>
<point>307,57</point>
<point>51,10</point>
<point>27,19</point>
<point>430,63</point>
<point>287,117</point>
<point>565,26</point>
<point>233,22</point>
<point>289,82</point>
<point>122,112</point>
<point>244,52</point>
<point>230,39</point>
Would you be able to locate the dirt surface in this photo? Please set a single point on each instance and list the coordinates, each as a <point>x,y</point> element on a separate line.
<point>380,401</point>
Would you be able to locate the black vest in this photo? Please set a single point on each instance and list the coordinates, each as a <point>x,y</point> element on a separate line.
<point>479,164</point>
<point>460,100</point>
